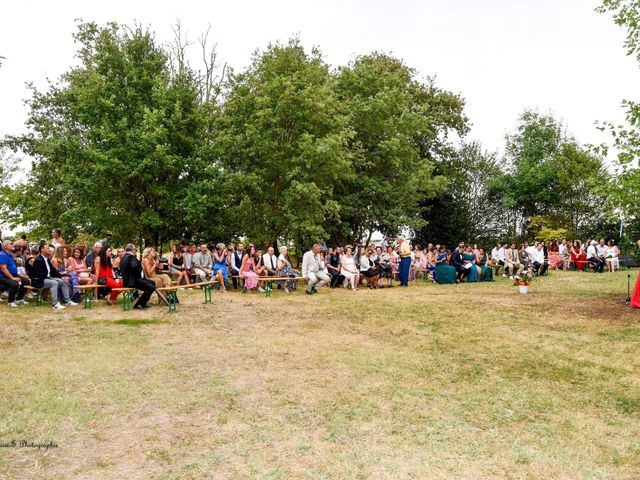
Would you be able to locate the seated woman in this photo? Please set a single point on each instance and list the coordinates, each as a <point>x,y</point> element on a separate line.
<point>486,274</point>
<point>150,264</point>
<point>220,267</point>
<point>106,275</point>
<point>555,261</point>
<point>474,271</point>
<point>578,256</point>
<point>285,269</point>
<point>59,262</point>
<point>76,264</point>
<point>384,266</point>
<point>444,273</point>
<point>176,265</point>
<point>368,270</point>
<point>247,269</point>
<point>348,268</point>
<point>612,259</point>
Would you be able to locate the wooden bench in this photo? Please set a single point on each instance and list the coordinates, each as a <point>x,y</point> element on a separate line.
<point>172,297</point>
<point>269,282</point>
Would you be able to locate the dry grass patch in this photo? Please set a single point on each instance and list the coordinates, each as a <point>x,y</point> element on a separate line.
<point>469,381</point>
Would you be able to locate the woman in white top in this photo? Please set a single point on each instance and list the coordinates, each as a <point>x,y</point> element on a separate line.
<point>612,259</point>
<point>348,268</point>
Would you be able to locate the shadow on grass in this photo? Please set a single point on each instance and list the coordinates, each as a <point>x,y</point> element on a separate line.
<point>135,322</point>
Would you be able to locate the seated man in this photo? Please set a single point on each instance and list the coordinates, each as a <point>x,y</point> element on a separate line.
<point>498,258</point>
<point>592,257</point>
<point>512,265</point>
<point>9,278</point>
<point>313,270</point>
<point>536,258</point>
<point>47,277</point>
<point>203,264</point>
<point>270,262</point>
<point>563,252</point>
<point>458,263</point>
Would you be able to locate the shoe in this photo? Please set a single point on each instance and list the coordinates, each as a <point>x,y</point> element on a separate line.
<point>57,306</point>
<point>109,301</point>
<point>12,305</point>
<point>261,290</point>
<point>313,290</point>
<point>21,302</point>
<point>505,276</point>
<point>140,307</point>
<point>71,303</point>
<point>4,294</point>
<point>286,290</point>
<point>308,292</point>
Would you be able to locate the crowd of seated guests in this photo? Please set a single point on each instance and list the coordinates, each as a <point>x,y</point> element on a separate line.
<point>60,268</point>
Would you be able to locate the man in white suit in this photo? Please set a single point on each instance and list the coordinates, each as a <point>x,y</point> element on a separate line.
<point>313,270</point>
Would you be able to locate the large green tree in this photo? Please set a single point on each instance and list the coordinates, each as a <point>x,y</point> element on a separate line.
<point>399,124</point>
<point>114,142</point>
<point>550,180</point>
<point>282,135</point>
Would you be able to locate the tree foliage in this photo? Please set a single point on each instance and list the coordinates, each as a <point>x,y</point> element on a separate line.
<point>624,191</point>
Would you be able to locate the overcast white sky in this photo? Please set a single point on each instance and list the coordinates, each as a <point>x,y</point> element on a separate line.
<point>502,55</point>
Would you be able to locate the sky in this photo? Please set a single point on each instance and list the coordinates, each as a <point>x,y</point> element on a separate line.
<point>501,56</point>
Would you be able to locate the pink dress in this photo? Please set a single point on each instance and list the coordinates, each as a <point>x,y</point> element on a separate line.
<point>250,277</point>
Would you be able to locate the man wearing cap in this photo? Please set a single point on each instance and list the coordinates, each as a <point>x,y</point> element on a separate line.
<point>405,261</point>
<point>313,270</point>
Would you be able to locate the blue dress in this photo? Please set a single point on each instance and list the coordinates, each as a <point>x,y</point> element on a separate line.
<point>220,267</point>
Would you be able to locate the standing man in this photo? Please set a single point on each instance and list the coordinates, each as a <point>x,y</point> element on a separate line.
<point>405,260</point>
<point>236,263</point>
<point>133,276</point>
<point>270,262</point>
<point>90,259</point>
<point>312,270</point>
<point>47,277</point>
<point>9,278</point>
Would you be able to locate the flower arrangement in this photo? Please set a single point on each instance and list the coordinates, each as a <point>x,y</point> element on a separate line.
<point>525,278</point>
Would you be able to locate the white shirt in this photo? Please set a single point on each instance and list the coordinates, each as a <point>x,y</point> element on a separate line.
<point>591,252</point>
<point>270,261</point>
<point>498,254</point>
<point>563,251</point>
<point>311,263</point>
<point>602,250</point>
<point>348,264</point>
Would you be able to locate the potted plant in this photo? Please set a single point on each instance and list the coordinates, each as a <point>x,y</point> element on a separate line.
<point>523,280</point>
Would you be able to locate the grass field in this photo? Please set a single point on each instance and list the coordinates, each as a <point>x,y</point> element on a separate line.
<point>468,381</point>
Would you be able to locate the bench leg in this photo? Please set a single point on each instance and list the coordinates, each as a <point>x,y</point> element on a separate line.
<point>87,298</point>
<point>244,288</point>
<point>207,293</point>
<point>267,289</point>
<point>126,301</point>
<point>39,297</point>
<point>172,299</point>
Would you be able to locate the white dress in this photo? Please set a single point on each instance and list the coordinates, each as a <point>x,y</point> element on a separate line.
<point>350,263</point>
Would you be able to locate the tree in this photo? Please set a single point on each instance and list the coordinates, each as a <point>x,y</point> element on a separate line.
<point>114,141</point>
<point>397,122</point>
<point>281,136</point>
<point>624,190</point>
<point>550,181</point>
<point>467,210</point>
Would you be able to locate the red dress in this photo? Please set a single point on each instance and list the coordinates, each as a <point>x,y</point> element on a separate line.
<point>111,282</point>
<point>579,260</point>
<point>635,298</point>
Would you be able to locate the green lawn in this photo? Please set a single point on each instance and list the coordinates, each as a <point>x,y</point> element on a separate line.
<point>468,381</point>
